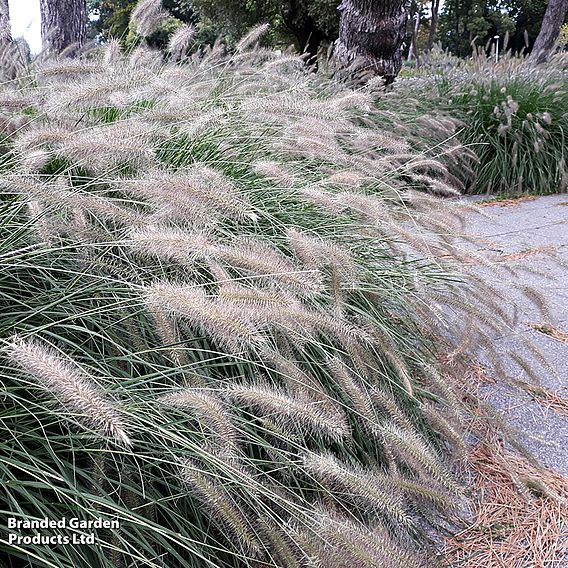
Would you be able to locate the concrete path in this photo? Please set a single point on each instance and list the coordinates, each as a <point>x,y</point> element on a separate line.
<point>533,235</point>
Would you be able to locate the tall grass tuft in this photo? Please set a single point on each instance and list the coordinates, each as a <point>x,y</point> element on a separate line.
<point>512,116</point>
<point>234,291</point>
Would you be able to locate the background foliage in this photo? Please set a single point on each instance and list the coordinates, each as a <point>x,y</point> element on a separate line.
<point>313,24</point>
<point>513,116</point>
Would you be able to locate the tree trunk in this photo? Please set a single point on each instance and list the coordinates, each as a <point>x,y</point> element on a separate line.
<point>63,24</point>
<point>371,33</point>
<point>413,51</point>
<point>5,32</point>
<point>10,57</point>
<point>433,25</point>
<point>550,30</point>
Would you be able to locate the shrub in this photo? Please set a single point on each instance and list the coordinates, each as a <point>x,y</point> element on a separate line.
<point>513,116</point>
<point>223,307</point>
<point>516,120</point>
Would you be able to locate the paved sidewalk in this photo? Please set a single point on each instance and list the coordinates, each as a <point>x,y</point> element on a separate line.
<point>532,234</point>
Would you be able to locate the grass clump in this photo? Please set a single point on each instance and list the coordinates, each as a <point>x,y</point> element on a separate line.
<point>513,117</point>
<point>223,307</point>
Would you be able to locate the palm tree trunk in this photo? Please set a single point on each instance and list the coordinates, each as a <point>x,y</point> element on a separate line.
<point>10,57</point>
<point>5,32</point>
<point>63,24</point>
<point>370,35</point>
<point>550,30</point>
<point>413,51</point>
<point>433,25</point>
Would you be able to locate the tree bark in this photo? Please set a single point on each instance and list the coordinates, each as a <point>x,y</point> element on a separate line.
<point>63,24</point>
<point>413,51</point>
<point>371,33</point>
<point>5,31</point>
<point>11,61</point>
<point>433,25</point>
<point>550,30</point>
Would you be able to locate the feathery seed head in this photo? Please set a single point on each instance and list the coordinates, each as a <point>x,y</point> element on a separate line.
<point>35,137</point>
<point>257,258</point>
<point>46,230</point>
<point>252,37</point>
<point>300,383</point>
<point>13,101</point>
<point>230,326</point>
<point>354,390</point>
<point>181,40</point>
<point>171,244</point>
<point>376,143</point>
<point>76,391</point>
<point>262,301</point>
<point>202,123</point>
<point>209,409</point>
<point>365,206</point>
<point>110,145</point>
<point>276,172</point>
<point>366,489</point>
<point>225,512</point>
<point>411,448</point>
<point>346,178</point>
<point>321,198</point>
<point>167,331</point>
<point>32,187</point>
<point>112,52</point>
<point>348,542</point>
<point>34,160</point>
<point>319,253</point>
<point>295,414</point>
<point>200,195</point>
<point>351,100</point>
<point>66,69</point>
<point>437,186</point>
<point>148,16</point>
